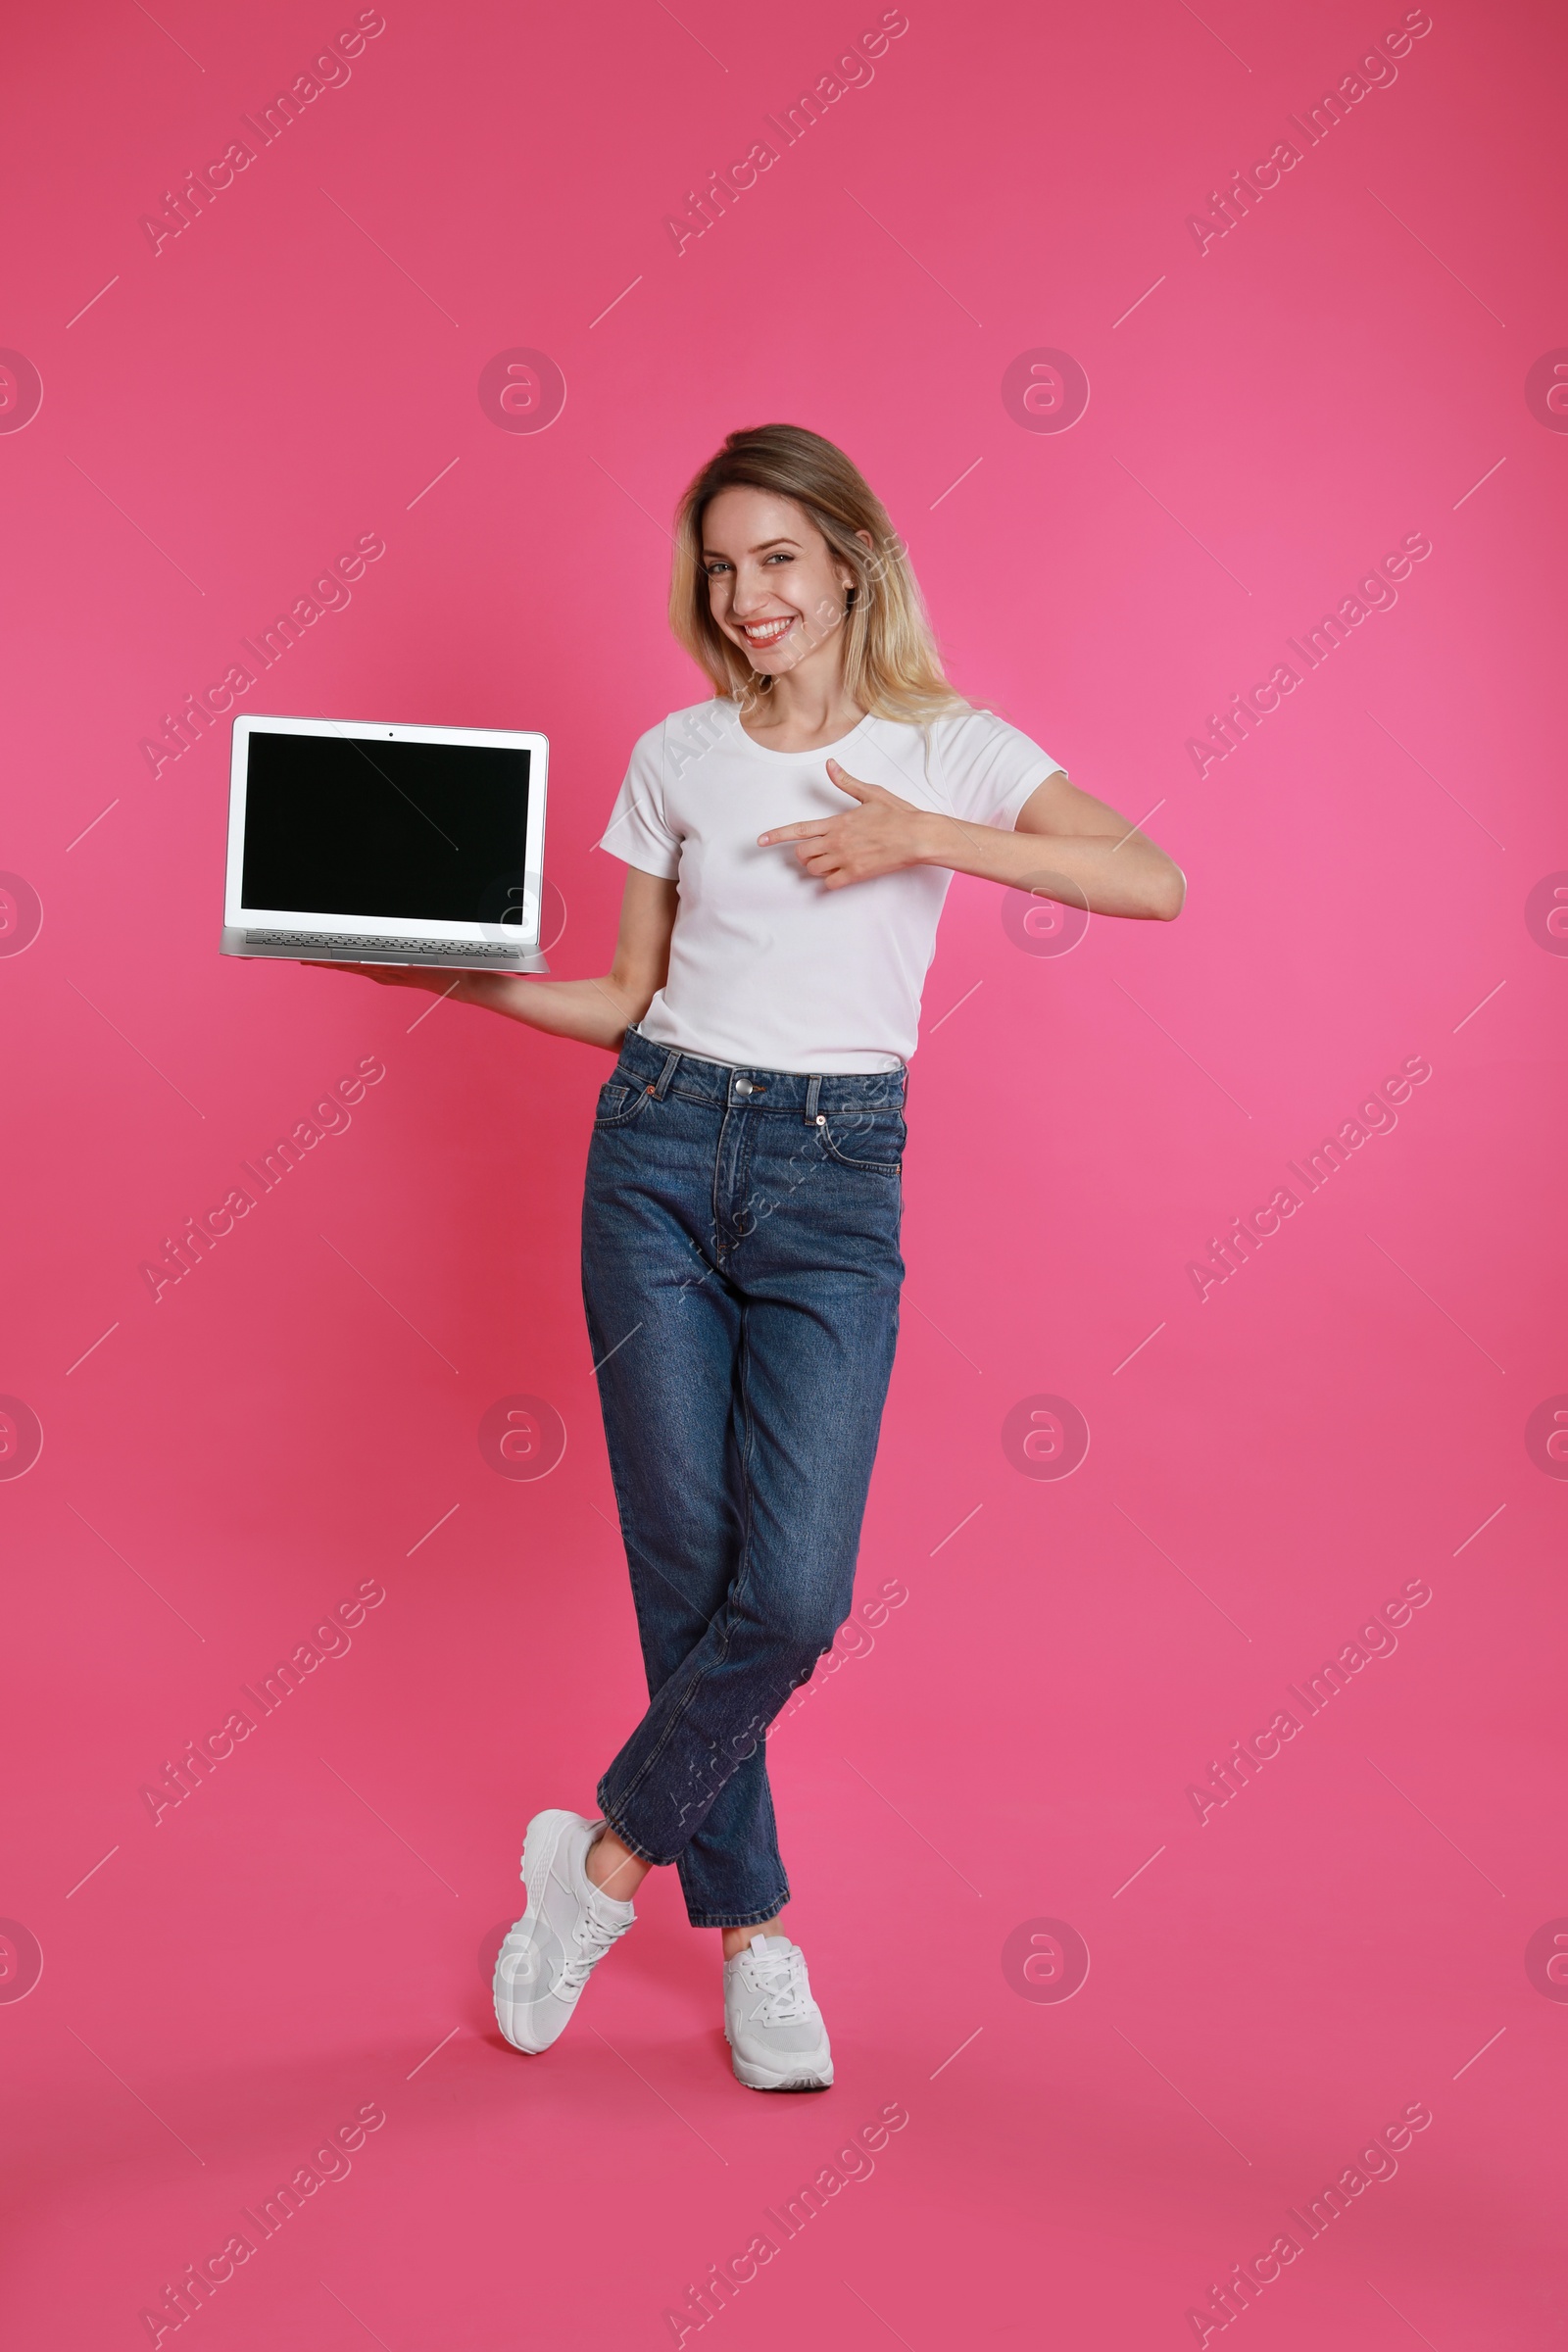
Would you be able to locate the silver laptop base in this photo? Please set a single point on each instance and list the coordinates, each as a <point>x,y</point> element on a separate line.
<point>337,947</point>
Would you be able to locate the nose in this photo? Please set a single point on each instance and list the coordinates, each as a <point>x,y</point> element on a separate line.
<point>750,597</point>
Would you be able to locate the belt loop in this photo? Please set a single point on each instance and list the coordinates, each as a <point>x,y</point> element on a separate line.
<point>813,1088</point>
<point>661,1083</point>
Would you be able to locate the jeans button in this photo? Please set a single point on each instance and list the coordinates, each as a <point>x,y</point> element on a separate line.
<point>743,1086</point>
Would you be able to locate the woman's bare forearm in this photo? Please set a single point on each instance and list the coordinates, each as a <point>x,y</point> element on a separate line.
<point>1123,873</point>
<point>593,1011</point>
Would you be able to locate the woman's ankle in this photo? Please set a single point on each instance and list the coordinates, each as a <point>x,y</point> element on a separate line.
<point>738,1940</point>
<point>614,1868</point>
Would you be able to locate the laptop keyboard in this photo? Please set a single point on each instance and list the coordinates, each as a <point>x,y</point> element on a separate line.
<point>434,947</point>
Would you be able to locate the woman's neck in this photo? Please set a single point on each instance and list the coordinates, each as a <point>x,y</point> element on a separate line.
<point>805,709</point>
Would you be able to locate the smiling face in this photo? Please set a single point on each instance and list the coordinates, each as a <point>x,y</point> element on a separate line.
<point>774,586</point>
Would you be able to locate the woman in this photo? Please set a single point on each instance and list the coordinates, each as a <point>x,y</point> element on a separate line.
<point>789,844</point>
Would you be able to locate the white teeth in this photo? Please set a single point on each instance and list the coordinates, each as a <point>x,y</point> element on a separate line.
<point>765,633</point>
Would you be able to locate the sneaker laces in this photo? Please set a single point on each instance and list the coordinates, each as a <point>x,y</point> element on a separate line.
<point>780,1978</point>
<point>593,1938</point>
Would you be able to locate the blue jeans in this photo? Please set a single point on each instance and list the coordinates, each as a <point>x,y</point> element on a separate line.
<point>741,1275</point>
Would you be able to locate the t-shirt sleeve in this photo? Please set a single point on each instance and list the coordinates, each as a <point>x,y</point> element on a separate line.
<point>639,828</point>
<point>988,768</point>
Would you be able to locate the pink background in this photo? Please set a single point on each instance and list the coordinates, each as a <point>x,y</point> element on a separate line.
<point>1267,418</point>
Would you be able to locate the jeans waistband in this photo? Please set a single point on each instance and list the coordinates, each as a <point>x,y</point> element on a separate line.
<point>665,1068</point>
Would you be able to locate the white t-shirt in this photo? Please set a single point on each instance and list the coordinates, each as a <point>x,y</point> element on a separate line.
<point>768,967</point>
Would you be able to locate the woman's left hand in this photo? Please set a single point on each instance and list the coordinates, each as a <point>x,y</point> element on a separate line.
<point>882,835</point>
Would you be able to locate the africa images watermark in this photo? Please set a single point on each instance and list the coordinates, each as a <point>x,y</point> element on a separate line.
<point>328,1639</point>
<point>1230,1253</point>
<point>185,727</point>
<point>200,2282</point>
<point>1231,728</point>
<point>688,736</point>
<point>707,1774</point>
<point>1376,1639</point>
<point>706,206</point>
<point>184,206</point>
<point>1376,2162</point>
<point>1374,72</point>
<point>854,1639</point>
<point>725,2279</point>
<point>185,1253</point>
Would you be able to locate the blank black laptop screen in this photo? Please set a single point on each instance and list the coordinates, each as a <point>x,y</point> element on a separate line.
<point>408,832</point>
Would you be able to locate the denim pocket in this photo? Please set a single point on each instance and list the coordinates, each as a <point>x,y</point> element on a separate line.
<point>617,1103</point>
<point>871,1140</point>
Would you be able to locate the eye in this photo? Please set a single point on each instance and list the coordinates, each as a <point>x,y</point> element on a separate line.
<point>779,555</point>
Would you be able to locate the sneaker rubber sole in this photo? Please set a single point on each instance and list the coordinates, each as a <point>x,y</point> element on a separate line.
<point>540,1845</point>
<point>802,2075</point>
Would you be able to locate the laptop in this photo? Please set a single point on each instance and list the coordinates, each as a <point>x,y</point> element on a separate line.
<point>372,843</point>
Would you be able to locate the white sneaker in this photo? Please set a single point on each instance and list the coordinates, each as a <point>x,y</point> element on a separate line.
<point>775,2028</point>
<point>568,1926</point>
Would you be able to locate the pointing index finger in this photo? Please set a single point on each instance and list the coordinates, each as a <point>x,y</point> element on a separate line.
<point>809,830</point>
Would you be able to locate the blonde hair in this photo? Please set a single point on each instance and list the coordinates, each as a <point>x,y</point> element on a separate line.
<point>892,668</point>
